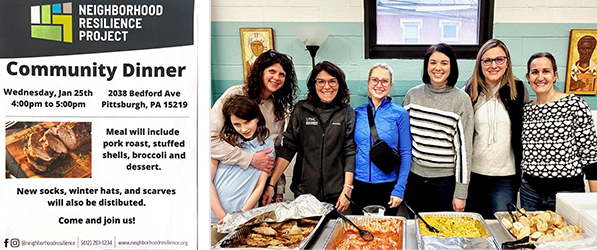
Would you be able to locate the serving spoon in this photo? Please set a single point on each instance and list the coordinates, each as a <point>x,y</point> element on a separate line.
<point>429,227</point>
<point>354,203</point>
<point>366,235</point>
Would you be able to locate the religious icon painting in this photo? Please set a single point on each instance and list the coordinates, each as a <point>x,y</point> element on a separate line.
<point>254,41</point>
<point>581,70</point>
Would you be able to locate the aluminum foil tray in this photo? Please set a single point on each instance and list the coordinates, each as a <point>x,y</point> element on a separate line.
<point>304,206</point>
<point>340,227</point>
<point>499,216</point>
<point>242,233</point>
<point>583,238</point>
<point>432,242</point>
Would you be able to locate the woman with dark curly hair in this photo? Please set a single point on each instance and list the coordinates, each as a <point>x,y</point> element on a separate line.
<point>321,131</point>
<point>271,83</point>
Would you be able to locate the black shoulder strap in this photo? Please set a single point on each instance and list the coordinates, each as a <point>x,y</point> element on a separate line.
<point>372,123</point>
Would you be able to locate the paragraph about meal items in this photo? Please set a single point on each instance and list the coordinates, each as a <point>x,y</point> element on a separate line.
<point>141,154</point>
<point>107,199</point>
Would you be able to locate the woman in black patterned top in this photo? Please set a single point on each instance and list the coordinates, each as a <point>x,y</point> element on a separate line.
<point>558,140</point>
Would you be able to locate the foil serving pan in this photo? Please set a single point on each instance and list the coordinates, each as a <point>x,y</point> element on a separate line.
<point>304,206</point>
<point>499,216</point>
<point>341,226</point>
<point>241,234</point>
<point>433,242</point>
<point>503,214</point>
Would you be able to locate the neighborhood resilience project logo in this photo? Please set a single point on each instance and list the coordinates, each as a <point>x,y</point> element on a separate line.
<point>95,22</point>
<point>52,22</point>
<point>68,27</point>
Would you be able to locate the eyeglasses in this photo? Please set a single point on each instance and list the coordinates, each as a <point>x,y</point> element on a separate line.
<point>498,60</point>
<point>384,82</point>
<point>332,82</point>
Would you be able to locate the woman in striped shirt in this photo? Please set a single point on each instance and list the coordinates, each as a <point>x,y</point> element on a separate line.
<point>441,120</point>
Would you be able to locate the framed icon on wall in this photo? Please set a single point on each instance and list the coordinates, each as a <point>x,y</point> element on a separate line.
<point>254,41</point>
<point>581,70</point>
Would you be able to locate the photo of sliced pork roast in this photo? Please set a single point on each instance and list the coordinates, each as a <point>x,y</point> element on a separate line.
<point>45,146</point>
<point>74,134</point>
<point>37,156</point>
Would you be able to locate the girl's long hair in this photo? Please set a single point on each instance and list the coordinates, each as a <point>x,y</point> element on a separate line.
<point>244,108</point>
<point>477,81</point>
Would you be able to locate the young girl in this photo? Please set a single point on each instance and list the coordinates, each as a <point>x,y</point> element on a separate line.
<point>235,188</point>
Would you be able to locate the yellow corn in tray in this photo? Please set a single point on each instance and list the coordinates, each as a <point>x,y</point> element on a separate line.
<point>463,227</point>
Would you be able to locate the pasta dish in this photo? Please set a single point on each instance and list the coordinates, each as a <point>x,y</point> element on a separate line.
<point>387,234</point>
<point>448,226</point>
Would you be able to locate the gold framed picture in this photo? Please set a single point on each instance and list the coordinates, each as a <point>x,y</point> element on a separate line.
<point>253,42</point>
<point>581,70</point>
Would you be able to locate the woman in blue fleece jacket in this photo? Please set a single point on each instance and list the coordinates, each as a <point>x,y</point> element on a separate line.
<point>371,185</point>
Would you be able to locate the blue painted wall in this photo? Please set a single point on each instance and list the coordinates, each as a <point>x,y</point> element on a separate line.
<point>345,47</point>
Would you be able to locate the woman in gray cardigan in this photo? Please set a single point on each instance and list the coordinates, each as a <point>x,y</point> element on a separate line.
<point>498,98</point>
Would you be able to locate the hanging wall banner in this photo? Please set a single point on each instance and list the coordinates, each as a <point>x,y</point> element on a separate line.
<point>99,101</point>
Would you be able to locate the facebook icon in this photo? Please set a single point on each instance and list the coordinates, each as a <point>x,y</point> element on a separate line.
<point>14,242</point>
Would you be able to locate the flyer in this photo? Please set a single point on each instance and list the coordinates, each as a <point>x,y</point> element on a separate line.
<point>99,101</point>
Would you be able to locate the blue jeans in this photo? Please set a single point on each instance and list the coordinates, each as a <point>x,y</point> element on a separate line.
<point>533,198</point>
<point>489,194</point>
<point>429,194</point>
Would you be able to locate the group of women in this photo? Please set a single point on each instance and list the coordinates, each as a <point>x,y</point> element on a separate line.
<point>470,149</point>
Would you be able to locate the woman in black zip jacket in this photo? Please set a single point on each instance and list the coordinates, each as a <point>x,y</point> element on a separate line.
<point>320,132</point>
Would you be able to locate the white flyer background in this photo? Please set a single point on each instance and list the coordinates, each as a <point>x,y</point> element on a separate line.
<point>164,217</point>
